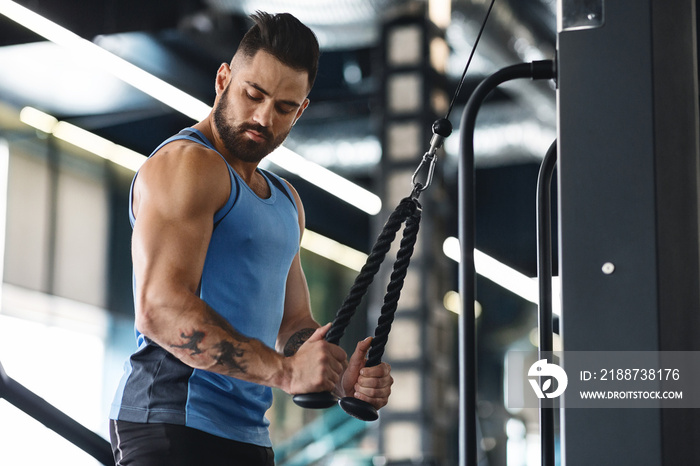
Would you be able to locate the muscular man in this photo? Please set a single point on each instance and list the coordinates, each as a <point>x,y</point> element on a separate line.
<point>217,277</point>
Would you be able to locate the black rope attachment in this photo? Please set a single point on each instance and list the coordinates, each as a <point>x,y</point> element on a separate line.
<point>406,209</point>
<point>393,291</point>
<point>409,212</point>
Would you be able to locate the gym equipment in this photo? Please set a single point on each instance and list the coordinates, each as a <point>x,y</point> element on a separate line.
<point>545,315</point>
<point>56,420</point>
<point>544,69</point>
<point>409,212</point>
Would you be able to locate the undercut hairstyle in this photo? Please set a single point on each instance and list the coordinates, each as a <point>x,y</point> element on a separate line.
<point>285,38</point>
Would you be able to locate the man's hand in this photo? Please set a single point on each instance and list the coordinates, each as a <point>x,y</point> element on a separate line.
<point>317,366</point>
<point>370,384</point>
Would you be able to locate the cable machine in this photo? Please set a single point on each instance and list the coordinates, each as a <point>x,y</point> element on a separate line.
<point>628,163</point>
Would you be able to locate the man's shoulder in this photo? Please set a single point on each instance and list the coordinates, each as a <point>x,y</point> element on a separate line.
<point>185,167</point>
<point>187,156</point>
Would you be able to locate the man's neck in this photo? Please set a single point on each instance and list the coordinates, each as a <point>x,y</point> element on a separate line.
<point>246,170</point>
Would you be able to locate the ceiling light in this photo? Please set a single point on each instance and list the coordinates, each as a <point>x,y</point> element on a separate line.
<point>510,279</point>
<point>184,103</point>
<point>333,250</point>
<point>84,139</point>
<point>95,55</point>
<point>38,119</point>
<point>98,145</point>
<point>496,271</point>
<point>326,180</point>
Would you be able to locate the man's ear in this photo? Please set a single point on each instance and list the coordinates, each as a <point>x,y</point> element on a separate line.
<point>301,110</point>
<point>223,76</point>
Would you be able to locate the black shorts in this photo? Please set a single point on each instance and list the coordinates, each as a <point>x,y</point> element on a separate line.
<point>136,444</point>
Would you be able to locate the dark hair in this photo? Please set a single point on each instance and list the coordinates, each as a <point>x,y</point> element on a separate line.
<point>285,38</point>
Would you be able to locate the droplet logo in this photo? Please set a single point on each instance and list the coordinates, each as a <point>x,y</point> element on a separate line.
<point>547,371</point>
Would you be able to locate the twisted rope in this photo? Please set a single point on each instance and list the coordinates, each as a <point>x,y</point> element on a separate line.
<point>406,208</point>
<point>393,292</point>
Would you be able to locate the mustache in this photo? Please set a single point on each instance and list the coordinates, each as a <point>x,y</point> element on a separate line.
<point>243,127</point>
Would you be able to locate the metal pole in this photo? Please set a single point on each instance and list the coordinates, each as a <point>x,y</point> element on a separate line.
<point>544,272</point>
<point>56,420</point>
<point>467,276</point>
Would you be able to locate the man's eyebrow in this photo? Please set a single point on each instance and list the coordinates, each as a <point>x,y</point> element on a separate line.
<point>264,92</point>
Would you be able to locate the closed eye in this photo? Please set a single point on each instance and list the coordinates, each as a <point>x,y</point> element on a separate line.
<point>284,110</point>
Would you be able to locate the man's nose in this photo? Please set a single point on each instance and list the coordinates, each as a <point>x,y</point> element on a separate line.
<point>263,114</point>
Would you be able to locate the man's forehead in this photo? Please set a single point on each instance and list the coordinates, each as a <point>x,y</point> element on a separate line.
<point>265,70</point>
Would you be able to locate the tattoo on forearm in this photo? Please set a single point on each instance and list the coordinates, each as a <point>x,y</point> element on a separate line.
<point>192,342</point>
<point>296,340</point>
<point>228,353</point>
<point>229,356</point>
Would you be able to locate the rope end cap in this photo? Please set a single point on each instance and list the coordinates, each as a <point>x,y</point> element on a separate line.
<point>442,127</point>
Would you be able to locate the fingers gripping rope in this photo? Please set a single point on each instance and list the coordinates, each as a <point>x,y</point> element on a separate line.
<point>358,408</point>
<point>408,211</point>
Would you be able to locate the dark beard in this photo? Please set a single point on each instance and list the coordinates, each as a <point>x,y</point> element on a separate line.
<point>235,140</point>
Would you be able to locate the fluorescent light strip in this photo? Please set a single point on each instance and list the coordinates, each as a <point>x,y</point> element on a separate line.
<point>38,119</point>
<point>496,271</point>
<point>81,138</point>
<point>182,102</point>
<point>510,279</point>
<point>326,180</point>
<point>333,250</point>
<point>95,55</point>
<point>98,145</point>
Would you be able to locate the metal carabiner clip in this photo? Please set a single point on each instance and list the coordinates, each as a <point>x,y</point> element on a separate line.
<point>442,128</point>
<point>428,161</point>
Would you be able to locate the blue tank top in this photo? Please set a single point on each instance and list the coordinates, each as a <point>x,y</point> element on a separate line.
<point>244,277</point>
